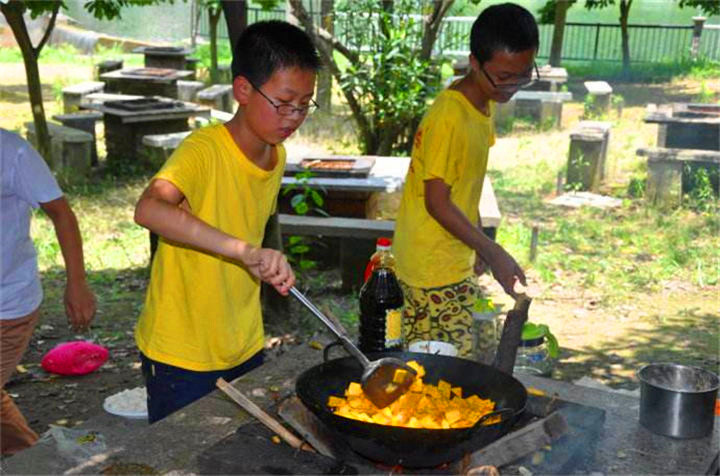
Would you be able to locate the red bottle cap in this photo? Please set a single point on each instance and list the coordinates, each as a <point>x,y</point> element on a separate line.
<point>384,242</point>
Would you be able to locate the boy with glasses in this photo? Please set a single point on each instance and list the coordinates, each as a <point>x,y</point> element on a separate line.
<point>439,245</point>
<point>209,204</point>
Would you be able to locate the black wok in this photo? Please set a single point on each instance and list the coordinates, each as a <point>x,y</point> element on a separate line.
<point>412,447</point>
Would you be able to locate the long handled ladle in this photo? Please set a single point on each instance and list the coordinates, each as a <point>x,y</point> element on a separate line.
<point>383,380</point>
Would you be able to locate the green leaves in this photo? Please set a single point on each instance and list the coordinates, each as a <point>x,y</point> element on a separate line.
<point>391,83</point>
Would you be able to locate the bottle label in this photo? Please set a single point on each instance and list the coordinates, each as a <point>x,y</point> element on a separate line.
<point>393,327</point>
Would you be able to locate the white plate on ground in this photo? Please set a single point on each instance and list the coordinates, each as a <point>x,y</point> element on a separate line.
<point>111,407</point>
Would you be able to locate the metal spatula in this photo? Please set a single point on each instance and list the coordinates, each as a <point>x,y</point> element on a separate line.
<point>381,381</point>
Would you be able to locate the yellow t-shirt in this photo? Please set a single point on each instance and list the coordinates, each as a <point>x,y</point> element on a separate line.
<point>202,311</point>
<point>451,144</point>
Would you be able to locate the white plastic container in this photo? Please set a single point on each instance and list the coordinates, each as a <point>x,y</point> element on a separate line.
<point>433,347</point>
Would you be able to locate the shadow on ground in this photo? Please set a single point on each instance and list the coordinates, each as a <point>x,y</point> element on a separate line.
<point>688,337</point>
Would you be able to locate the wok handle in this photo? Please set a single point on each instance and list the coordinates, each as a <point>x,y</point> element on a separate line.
<point>344,340</point>
<point>505,414</point>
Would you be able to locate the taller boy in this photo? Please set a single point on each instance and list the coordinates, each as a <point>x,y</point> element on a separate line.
<point>209,204</point>
<point>439,242</point>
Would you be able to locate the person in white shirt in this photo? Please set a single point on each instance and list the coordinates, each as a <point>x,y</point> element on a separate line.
<point>26,182</point>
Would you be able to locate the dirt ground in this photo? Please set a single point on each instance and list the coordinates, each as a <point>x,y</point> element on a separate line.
<point>607,344</point>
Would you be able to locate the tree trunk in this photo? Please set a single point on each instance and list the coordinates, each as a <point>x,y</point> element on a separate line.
<point>327,13</point>
<point>624,14</point>
<point>433,22</point>
<point>325,44</point>
<point>13,12</point>
<point>213,20</point>
<point>561,8</point>
<point>236,17</point>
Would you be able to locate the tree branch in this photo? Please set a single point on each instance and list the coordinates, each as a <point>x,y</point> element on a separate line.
<point>321,33</point>
<point>326,51</point>
<point>48,30</point>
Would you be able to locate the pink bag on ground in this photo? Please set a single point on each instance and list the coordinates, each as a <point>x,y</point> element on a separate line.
<point>74,358</point>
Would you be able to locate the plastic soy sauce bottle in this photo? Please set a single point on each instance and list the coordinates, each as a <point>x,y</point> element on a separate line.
<point>381,303</point>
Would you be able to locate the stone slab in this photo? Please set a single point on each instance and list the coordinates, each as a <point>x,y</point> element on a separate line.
<point>585,199</point>
<point>542,96</point>
<point>598,87</point>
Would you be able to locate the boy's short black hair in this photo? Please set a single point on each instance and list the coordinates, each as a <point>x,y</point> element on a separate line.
<point>268,46</point>
<point>506,26</point>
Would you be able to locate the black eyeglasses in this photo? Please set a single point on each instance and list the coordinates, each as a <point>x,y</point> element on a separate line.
<point>527,81</point>
<point>288,109</point>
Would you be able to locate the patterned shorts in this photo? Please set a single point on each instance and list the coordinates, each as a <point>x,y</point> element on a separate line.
<point>443,313</point>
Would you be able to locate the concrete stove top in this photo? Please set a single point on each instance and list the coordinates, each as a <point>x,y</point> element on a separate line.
<point>175,443</point>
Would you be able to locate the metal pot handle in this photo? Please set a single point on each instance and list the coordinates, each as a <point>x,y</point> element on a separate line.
<point>326,350</point>
<point>505,415</point>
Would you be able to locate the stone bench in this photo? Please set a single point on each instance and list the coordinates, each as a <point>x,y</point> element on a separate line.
<point>357,238</point>
<point>84,121</point>
<point>217,96</point>
<point>107,66</point>
<point>601,94</point>
<point>157,148</point>
<point>188,90</point>
<point>74,95</point>
<point>588,155</point>
<point>70,149</point>
<point>665,172</point>
<point>544,107</point>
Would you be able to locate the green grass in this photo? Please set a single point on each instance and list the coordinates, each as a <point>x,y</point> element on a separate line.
<point>702,69</point>
<point>104,209</point>
<point>68,54</point>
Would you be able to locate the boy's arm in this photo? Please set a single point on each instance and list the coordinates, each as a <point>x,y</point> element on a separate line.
<point>161,210</point>
<point>480,265</point>
<point>444,211</point>
<point>79,298</point>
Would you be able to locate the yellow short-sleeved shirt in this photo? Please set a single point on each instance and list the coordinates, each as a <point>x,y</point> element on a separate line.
<point>452,144</point>
<point>202,312</point>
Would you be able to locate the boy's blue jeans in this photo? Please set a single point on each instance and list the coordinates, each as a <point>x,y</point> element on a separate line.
<point>171,388</point>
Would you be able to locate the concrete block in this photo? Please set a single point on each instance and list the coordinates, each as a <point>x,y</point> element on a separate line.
<point>587,157</point>
<point>74,95</point>
<point>84,121</point>
<point>601,92</point>
<point>70,149</point>
<point>217,96</point>
<point>187,90</point>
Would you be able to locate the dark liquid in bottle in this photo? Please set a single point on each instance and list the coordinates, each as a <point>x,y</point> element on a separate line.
<point>381,302</point>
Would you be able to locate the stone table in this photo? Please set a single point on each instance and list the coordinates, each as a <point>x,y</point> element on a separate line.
<point>174,444</point>
<point>686,125</point>
<point>174,57</point>
<point>145,81</point>
<point>124,129</point>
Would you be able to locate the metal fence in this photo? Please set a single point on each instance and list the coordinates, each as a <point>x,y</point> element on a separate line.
<point>582,41</point>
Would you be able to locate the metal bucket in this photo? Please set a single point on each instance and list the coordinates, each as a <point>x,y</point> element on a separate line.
<point>677,400</point>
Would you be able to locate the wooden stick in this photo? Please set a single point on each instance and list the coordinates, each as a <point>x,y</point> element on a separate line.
<point>511,335</point>
<point>263,417</point>
<point>519,443</point>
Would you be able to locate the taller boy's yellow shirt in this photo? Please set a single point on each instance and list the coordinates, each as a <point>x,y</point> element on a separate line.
<point>202,311</point>
<point>451,144</point>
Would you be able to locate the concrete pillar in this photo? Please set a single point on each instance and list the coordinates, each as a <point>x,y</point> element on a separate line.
<point>587,157</point>
<point>664,182</point>
<point>698,23</point>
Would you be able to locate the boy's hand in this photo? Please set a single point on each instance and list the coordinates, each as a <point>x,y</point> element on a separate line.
<point>79,305</point>
<point>272,267</point>
<point>505,270</point>
<point>480,266</point>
